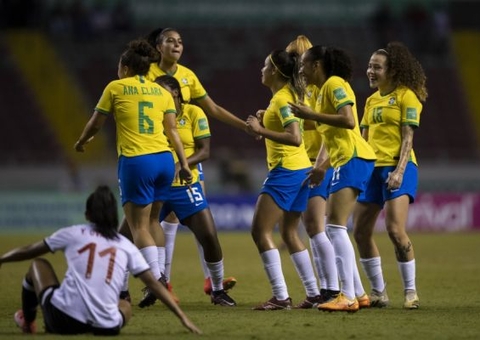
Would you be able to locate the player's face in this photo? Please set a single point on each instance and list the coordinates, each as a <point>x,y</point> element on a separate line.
<point>307,69</point>
<point>175,96</point>
<point>267,72</point>
<point>171,47</point>
<point>377,71</point>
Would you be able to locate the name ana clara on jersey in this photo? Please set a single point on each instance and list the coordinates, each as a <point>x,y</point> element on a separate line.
<point>136,90</point>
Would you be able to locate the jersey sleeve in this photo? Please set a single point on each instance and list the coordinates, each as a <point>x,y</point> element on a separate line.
<point>105,103</point>
<point>59,239</point>
<point>197,89</point>
<point>364,122</point>
<point>283,111</point>
<point>338,93</point>
<point>410,109</point>
<point>201,129</point>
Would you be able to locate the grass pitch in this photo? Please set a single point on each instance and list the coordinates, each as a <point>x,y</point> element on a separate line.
<point>448,283</point>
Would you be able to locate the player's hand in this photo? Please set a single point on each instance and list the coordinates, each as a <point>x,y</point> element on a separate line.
<point>394,180</point>
<point>314,177</point>
<point>301,110</point>
<point>253,124</point>
<point>81,147</point>
<point>185,175</point>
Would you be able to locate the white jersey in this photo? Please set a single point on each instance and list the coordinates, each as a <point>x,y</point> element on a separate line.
<point>96,269</point>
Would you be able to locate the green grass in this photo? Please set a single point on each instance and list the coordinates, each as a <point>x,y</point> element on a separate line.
<point>448,281</point>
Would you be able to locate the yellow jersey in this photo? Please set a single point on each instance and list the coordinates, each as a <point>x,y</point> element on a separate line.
<point>277,116</point>
<point>311,136</point>
<point>342,144</point>
<point>189,83</point>
<point>138,106</point>
<point>384,117</point>
<point>192,125</point>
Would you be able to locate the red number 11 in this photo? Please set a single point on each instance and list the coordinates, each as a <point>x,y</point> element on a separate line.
<point>91,247</point>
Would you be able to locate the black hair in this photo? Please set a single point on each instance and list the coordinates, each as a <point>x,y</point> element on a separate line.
<point>138,56</point>
<point>172,83</point>
<point>287,63</point>
<point>334,61</point>
<point>101,210</point>
<point>155,37</point>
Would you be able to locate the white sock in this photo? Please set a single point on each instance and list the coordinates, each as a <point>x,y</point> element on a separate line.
<point>216,272</point>
<point>326,267</point>
<point>170,232</point>
<point>344,256</point>
<point>161,260</point>
<point>303,265</point>
<point>357,281</point>
<point>151,256</point>
<point>407,271</point>
<point>373,269</point>
<point>206,273</point>
<point>273,267</point>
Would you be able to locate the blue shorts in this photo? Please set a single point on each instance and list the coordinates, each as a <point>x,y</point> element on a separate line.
<point>184,201</point>
<point>201,176</point>
<point>286,189</point>
<point>353,174</point>
<point>145,179</point>
<point>376,191</point>
<point>322,189</point>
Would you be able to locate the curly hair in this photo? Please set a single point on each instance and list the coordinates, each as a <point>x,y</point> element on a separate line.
<point>405,69</point>
<point>138,56</point>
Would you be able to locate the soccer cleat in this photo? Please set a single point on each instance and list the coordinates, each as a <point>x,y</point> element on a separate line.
<point>328,294</point>
<point>411,299</point>
<point>125,295</point>
<point>363,301</point>
<point>379,299</point>
<point>30,328</point>
<point>275,304</point>
<point>310,302</point>
<point>221,298</point>
<point>228,284</point>
<point>172,293</point>
<point>340,304</point>
<point>148,297</point>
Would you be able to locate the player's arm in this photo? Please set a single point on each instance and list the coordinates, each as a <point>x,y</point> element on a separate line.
<point>290,136</point>
<point>202,151</point>
<point>170,128</point>
<point>25,253</point>
<point>163,295</point>
<point>343,119</point>
<point>395,178</point>
<point>93,126</point>
<point>218,112</point>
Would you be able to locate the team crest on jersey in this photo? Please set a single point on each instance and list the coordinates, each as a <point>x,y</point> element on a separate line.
<point>339,93</point>
<point>391,101</point>
<point>184,81</point>
<point>182,122</point>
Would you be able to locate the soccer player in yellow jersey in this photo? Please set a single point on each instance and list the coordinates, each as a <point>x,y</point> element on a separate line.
<point>169,45</point>
<point>349,154</point>
<point>390,118</point>
<point>188,202</point>
<point>284,193</point>
<point>144,115</point>
<point>314,216</point>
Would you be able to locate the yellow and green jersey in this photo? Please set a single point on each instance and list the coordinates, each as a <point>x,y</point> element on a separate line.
<point>190,85</point>
<point>342,144</point>
<point>384,117</point>
<point>277,116</point>
<point>138,106</point>
<point>311,136</point>
<point>192,125</point>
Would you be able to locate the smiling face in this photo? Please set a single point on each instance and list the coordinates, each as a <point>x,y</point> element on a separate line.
<point>377,72</point>
<point>310,70</point>
<point>171,46</point>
